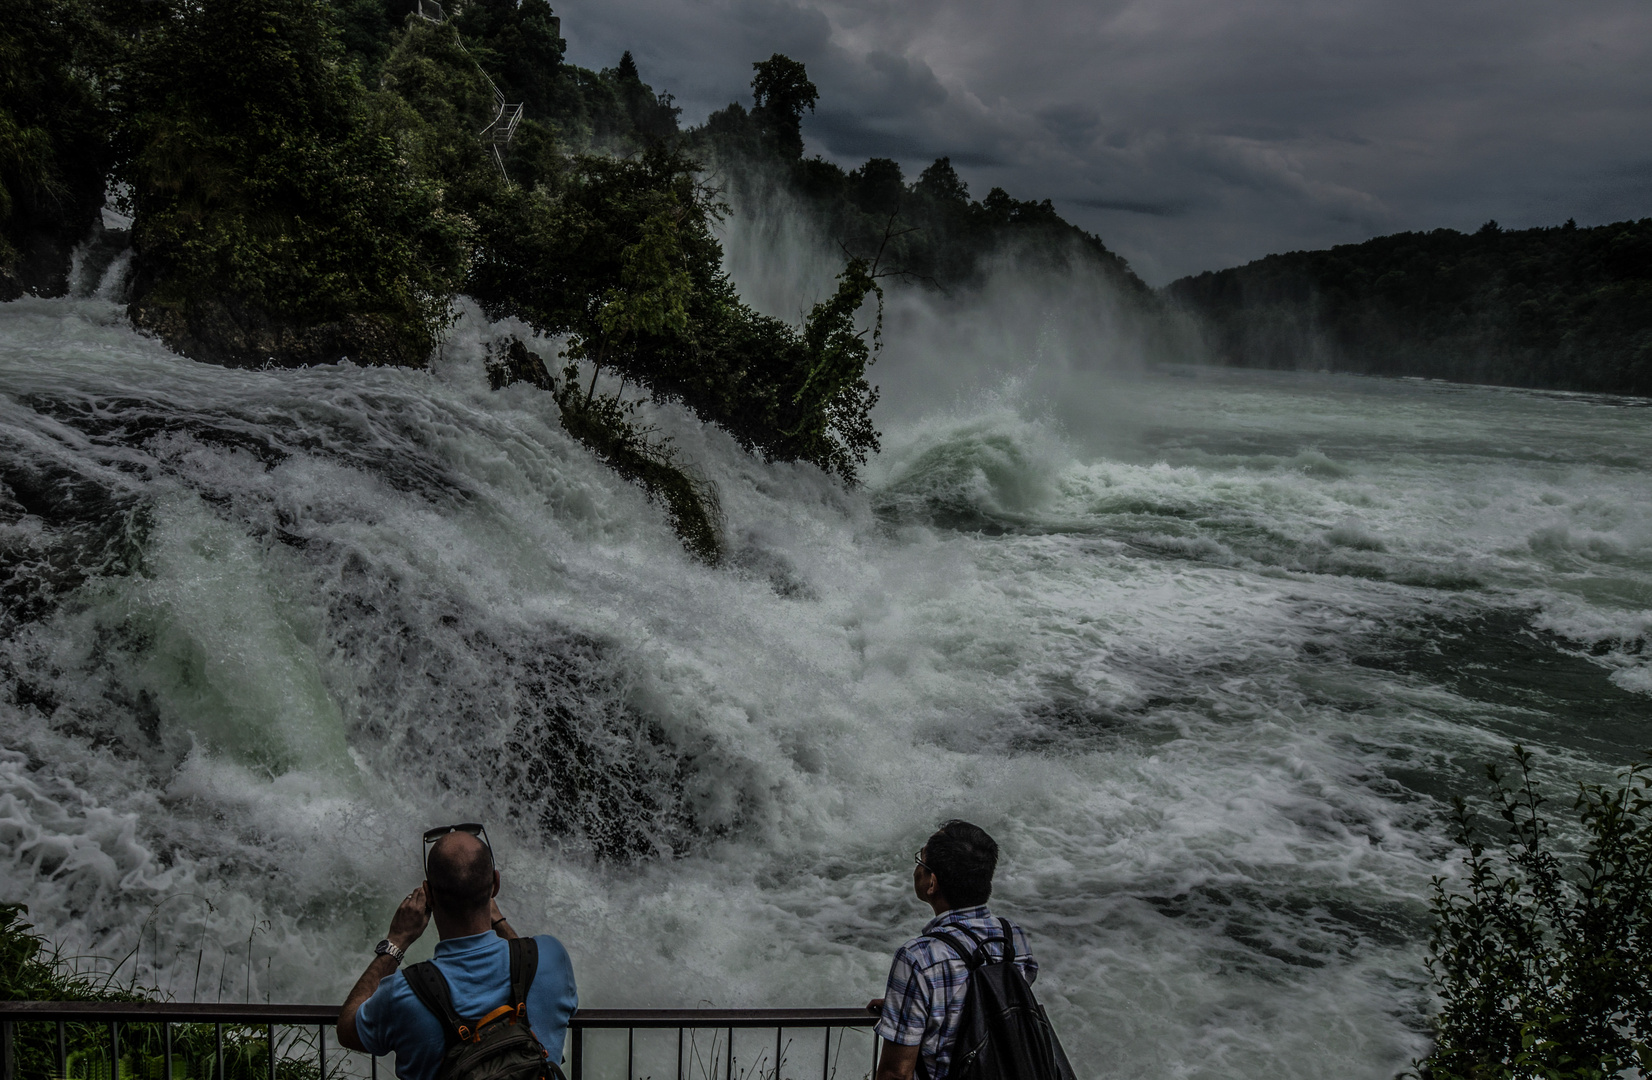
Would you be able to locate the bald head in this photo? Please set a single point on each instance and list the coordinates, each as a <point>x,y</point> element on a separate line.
<point>460,872</point>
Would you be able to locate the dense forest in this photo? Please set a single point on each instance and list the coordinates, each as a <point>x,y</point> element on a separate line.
<point>1563,308</point>
<point>309,181</point>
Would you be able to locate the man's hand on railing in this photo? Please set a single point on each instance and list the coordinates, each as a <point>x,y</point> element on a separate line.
<point>875,1006</point>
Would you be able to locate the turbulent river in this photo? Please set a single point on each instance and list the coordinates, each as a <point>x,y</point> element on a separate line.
<point>1207,651</point>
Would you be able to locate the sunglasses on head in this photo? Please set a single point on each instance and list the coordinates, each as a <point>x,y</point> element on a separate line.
<point>474,828</point>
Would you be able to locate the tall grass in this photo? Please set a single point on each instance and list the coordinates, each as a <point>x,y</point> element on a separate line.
<point>32,968</point>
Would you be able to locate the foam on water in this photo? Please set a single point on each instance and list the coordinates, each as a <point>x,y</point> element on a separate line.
<point>1206,673</point>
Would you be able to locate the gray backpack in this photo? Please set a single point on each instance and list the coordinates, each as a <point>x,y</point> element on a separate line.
<point>498,1046</point>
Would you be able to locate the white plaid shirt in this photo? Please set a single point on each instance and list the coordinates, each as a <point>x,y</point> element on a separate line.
<point>925,995</point>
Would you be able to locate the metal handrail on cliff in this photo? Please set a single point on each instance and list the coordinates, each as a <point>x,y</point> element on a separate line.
<point>507,114</point>
<point>700,1065</point>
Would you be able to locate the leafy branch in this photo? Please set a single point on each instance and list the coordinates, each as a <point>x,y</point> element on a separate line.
<point>1543,962</point>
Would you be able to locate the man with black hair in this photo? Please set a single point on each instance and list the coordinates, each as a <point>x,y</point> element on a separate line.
<point>921,1007</point>
<point>383,1014</point>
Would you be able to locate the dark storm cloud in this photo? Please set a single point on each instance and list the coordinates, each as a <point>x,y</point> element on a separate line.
<point>1132,206</point>
<point>1191,134</point>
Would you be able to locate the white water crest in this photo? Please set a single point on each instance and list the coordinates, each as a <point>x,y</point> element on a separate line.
<point>1206,651</point>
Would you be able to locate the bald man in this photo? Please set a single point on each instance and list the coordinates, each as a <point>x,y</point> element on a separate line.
<point>383,1016</point>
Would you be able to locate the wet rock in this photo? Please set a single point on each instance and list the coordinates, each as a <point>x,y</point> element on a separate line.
<point>224,331</point>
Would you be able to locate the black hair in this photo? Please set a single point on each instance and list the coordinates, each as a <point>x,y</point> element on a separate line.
<point>460,875</point>
<point>963,857</point>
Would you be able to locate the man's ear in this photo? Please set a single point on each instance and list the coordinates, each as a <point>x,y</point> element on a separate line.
<point>495,891</point>
<point>429,897</point>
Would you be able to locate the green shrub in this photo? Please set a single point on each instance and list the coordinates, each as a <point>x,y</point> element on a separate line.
<point>1544,964</point>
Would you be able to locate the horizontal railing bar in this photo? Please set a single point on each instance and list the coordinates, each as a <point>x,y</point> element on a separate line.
<point>182,1012</point>
<point>176,1012</point>
<point>725,1018</point>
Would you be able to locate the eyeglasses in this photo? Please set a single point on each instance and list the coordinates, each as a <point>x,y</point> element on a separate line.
<point>918,859</point>
<point>474,828</point>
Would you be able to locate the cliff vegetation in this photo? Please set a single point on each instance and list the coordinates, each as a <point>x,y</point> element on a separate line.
<point>311,181</point>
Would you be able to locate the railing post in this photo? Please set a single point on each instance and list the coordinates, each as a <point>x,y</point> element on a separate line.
<point>166,1052</point>
<point>826,1057</point>
<point>679,1054</point>
<point>218,1049</point>
<point>114,1050</point>
<point>8,1051</point>
<point>730,1075</point>
<point>630,1053</point>
<point>321,1049</point>
<point>778,1032</point>
<point>269,1033</point>
<point>63,1051</point>
<point>579,1053</point>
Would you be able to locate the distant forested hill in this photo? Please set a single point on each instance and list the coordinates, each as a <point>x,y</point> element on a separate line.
<point>1560,308</point>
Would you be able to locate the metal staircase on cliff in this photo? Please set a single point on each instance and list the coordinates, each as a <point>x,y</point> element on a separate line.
<point>507,115</point>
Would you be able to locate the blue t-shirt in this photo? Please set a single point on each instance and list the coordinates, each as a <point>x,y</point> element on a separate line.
<point>477,969</point>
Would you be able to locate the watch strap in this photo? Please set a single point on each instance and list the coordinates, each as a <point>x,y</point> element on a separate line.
<point>388,948</point>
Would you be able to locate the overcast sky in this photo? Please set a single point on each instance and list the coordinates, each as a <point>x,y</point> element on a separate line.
<point>1196,135</point>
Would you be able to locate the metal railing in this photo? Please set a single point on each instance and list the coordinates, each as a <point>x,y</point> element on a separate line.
<point>585,1059</point>
<point>502,128</point>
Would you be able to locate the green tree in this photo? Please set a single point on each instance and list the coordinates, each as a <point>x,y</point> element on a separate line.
<point>619,254</point>
<point>1544,963</point>
<point>653,116</point>
<point>878,187</point>
<point>942,183</point>
<point>55,56</point>
<point>366,29</point>
<point>435,102</point>
<point>521,47</point>
<point>782,90</point>
<point>273,217</point>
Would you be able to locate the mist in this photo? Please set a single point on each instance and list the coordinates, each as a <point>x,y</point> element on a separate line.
<point>1056,341</point>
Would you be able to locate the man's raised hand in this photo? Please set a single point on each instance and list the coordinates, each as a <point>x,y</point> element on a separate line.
<point>410,919</point>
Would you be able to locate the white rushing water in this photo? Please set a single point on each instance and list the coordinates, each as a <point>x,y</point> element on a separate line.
<point>1204,650</point>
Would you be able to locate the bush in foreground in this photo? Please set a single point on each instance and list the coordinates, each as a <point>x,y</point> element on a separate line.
<point>1544,964</point>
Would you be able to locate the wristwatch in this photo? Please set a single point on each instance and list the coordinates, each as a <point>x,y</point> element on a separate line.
<point>386,948</point>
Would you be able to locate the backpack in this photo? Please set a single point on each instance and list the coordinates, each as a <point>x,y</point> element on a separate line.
<point>498,1046</point>
<point>1003,1033</point>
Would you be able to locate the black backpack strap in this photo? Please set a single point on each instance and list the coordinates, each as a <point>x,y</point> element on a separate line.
<point>965,953</point>
<point>973,954</point>
<point>429,985</point>
<point>978,955</point>
<point>524,966</point>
